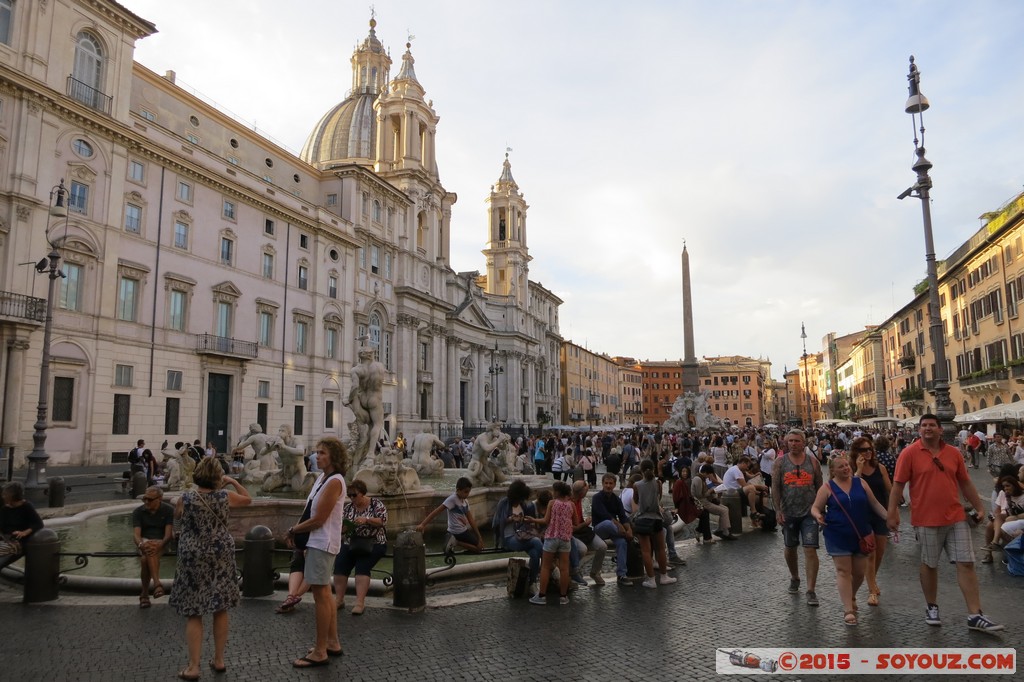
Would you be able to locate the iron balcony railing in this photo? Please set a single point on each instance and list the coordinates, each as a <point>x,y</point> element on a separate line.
<point>22,307</point>
<point>220,345</point>
<point>88,95</point>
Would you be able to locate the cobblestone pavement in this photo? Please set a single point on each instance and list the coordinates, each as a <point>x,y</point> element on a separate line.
<point>729,595</point>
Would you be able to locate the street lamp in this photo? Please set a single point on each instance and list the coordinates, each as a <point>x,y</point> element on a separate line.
<point>35,484</point>
<point>807,377</point>
<point>916,105</point>
<point>494,370</point>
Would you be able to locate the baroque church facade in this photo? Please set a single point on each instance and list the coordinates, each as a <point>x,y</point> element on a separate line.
<point>212,279</point>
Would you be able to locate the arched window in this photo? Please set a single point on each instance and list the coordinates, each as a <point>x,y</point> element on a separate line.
<point>375,331</point>
<point>88,72</point>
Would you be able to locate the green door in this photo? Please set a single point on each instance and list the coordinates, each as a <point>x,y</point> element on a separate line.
<point>218,405</point>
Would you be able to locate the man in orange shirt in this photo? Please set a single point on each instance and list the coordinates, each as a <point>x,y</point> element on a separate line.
<point>937,473</point>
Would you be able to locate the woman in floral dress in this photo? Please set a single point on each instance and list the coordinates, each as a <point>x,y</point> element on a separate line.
<point>204,581</point>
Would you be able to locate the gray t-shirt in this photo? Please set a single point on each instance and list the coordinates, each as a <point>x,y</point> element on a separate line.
<point>798,484</point>
<point>646,499</point>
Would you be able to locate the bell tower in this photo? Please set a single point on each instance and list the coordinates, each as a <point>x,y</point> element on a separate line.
<point>406,124</point>
<point>508,258</point>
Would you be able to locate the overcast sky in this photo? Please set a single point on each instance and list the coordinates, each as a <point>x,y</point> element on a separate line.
<point>769,135</point>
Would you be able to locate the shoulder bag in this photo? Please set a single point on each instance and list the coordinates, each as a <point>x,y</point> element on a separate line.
<point>300,539</point>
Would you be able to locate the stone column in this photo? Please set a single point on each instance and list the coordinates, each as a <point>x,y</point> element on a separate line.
<point>14,389</point>
<point>452,377</point>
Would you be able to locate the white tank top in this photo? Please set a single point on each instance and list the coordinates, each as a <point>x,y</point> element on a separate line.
<point>327,537</point>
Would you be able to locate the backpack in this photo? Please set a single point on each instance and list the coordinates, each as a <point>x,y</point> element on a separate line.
<point>1014,553</point>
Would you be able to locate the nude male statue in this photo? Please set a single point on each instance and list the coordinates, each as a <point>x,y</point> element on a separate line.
<point>366,400</point>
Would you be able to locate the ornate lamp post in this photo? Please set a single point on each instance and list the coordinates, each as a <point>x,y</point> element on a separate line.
<point>916,105</point>
<point>35,479</point>
<point>494,370</point>
<point>807,377</point>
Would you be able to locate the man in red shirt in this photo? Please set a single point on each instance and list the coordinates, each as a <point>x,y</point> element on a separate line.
<point>937,473</point>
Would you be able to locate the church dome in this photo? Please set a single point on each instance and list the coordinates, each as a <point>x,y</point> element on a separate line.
<point>348,132</point>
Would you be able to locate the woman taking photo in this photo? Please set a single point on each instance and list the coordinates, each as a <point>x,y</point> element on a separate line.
<point>205,577</point>
<point>514,532</point>
<point>321,520</point>
<point>843,508</point>
<point>366,541</point>
<point>877,477</point>
<point>649,524</point>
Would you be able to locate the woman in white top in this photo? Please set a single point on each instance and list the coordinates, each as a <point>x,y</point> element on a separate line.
<point>766,461</point>
<point>324,527</point>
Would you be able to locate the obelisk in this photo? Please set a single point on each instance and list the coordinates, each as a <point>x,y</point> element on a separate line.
<point>691,383</point>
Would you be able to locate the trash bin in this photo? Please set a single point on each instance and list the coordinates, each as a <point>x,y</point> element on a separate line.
<point>731,500</point>
<point>257,562</point>
<point>42,567</point>
<point>410,568</point>
<point>57,491</point>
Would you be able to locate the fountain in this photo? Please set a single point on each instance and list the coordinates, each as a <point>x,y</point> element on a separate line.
<point>691,411</point>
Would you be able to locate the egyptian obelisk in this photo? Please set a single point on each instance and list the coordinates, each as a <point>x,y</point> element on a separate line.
<point>691,383</point>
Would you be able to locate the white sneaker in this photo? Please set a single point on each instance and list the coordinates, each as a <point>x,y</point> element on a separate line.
<point>667,580</point>
<point>649,582</point>
<point>538,599</point>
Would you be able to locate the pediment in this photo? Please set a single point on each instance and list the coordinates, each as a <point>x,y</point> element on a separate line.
<point>469,312</point>
<point>227,289</point>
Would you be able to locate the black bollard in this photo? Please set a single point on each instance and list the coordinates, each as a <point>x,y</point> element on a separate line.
<point>257,562</point>
<point>42,567</point>
<point>57,491</point>
<point>139,484</point>
<point>410,569</point>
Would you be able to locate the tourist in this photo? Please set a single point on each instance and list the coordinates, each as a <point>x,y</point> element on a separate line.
<point>153,528</point>
<point>559,520</point>
<point>136,462</point>
<point>735,479</point>
<point>514,533</point>
<point>766,460</point>
<point>797,478</point>
<point>18,522</point>
<point>688,509</point>
<point>211,449</point>
<point>703,490</point>
<point>584,539</point>
<point>589,464</point>
<point>205,580</point>
<point>611,523</point>
<point>938,476</point>
<point>365,522</point>
<point>297,585</point>
<point>321,520</point>
<point>843,507</point>
<point>649,525</point>
<point>877,477</point>
<point>558,467</point>
<point>539,457</point>
<point>998,454</point>
<point>461,524</point>
<point>1007,517</point>
<point>719,454</point>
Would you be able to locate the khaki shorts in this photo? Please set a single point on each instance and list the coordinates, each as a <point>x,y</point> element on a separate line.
<point>319,568</point>
<point>955,539</point>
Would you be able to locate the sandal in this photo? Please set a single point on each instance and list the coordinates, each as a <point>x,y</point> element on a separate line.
<point>873,598</point>
<point>850,618</point>
<point>185,676</point>
<point>144,603</point>
<point>158,592</point>
<point>358,609</point>
<point>289,604</point>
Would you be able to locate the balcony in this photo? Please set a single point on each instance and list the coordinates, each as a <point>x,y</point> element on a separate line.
<point>985,380</point>
<point>912,397</point>
<point>88,95</point>
<point>1017,372</point>
<point>907,362</point>
<point>208,344</point>
<point>20,307</point>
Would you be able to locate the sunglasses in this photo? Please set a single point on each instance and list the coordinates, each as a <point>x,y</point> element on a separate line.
<point>354,494</point>
<point>864,450</point>
<point>150,499</point>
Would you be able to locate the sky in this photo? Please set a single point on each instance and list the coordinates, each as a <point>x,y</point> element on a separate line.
<point>770,135</point>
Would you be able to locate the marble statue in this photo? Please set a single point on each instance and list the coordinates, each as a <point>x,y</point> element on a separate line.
<point>390,474</point>
<point>178,466</point>
<point>490,463</point>
<point>423,459</point>
<point>691,411</point>
<point>293,474</point>
<point>366,400</point>
<point>256,466</point>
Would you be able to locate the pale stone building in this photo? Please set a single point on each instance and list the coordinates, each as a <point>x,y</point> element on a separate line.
<point>214,279</point>
<point>590,388</point>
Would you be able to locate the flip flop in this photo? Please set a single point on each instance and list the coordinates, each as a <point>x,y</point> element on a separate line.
<point>307,662</point>
<point>333,653</point>
<point>185,676</point>
<point>214,668</point>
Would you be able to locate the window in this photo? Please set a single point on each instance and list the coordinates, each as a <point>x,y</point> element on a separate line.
<point>136,171</point>
<point>78,201</point>
<point>148,115</point>
<point>376,211</point>
<point>385,354</point>
<point>300,392</point>
<point>133,218</point>
<point>424,353</point>
<point>387,266</point>
<point>192,138</point>
<point>266,329</point>
<point>87,72</point>
<point>263,389</point>
<point>185,192</point>
<point>172,407</point>
<point>331,343</point>
<point>332,199</point>
<point>127,298</point>
<point>362,257</point>
<point>229,210</point>
<point>71,287</point>
<point>375,331</point>
<point>224,310</point>
<point>375,259</point>
<point>332,287</point>
<point>122,412</point>
<point>268,226</point>
<point>226,247</point>
<point>174,380</point>
<point>268,265</point>
<point>180,235</point>
<point>297,421</point>
<point>329,414</point>
<point>366,204</point>
<point>176,316</point>
<point>303,277</point>
<point>301,333</point>
<point>82,148</point>
<point>63,399</point>
<point>303,241</point>
<point>123,375</point>
<point>5,21</point>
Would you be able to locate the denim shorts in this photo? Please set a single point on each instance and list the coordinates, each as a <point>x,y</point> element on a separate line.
<point>800,530</point>
<point>555,545</point>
